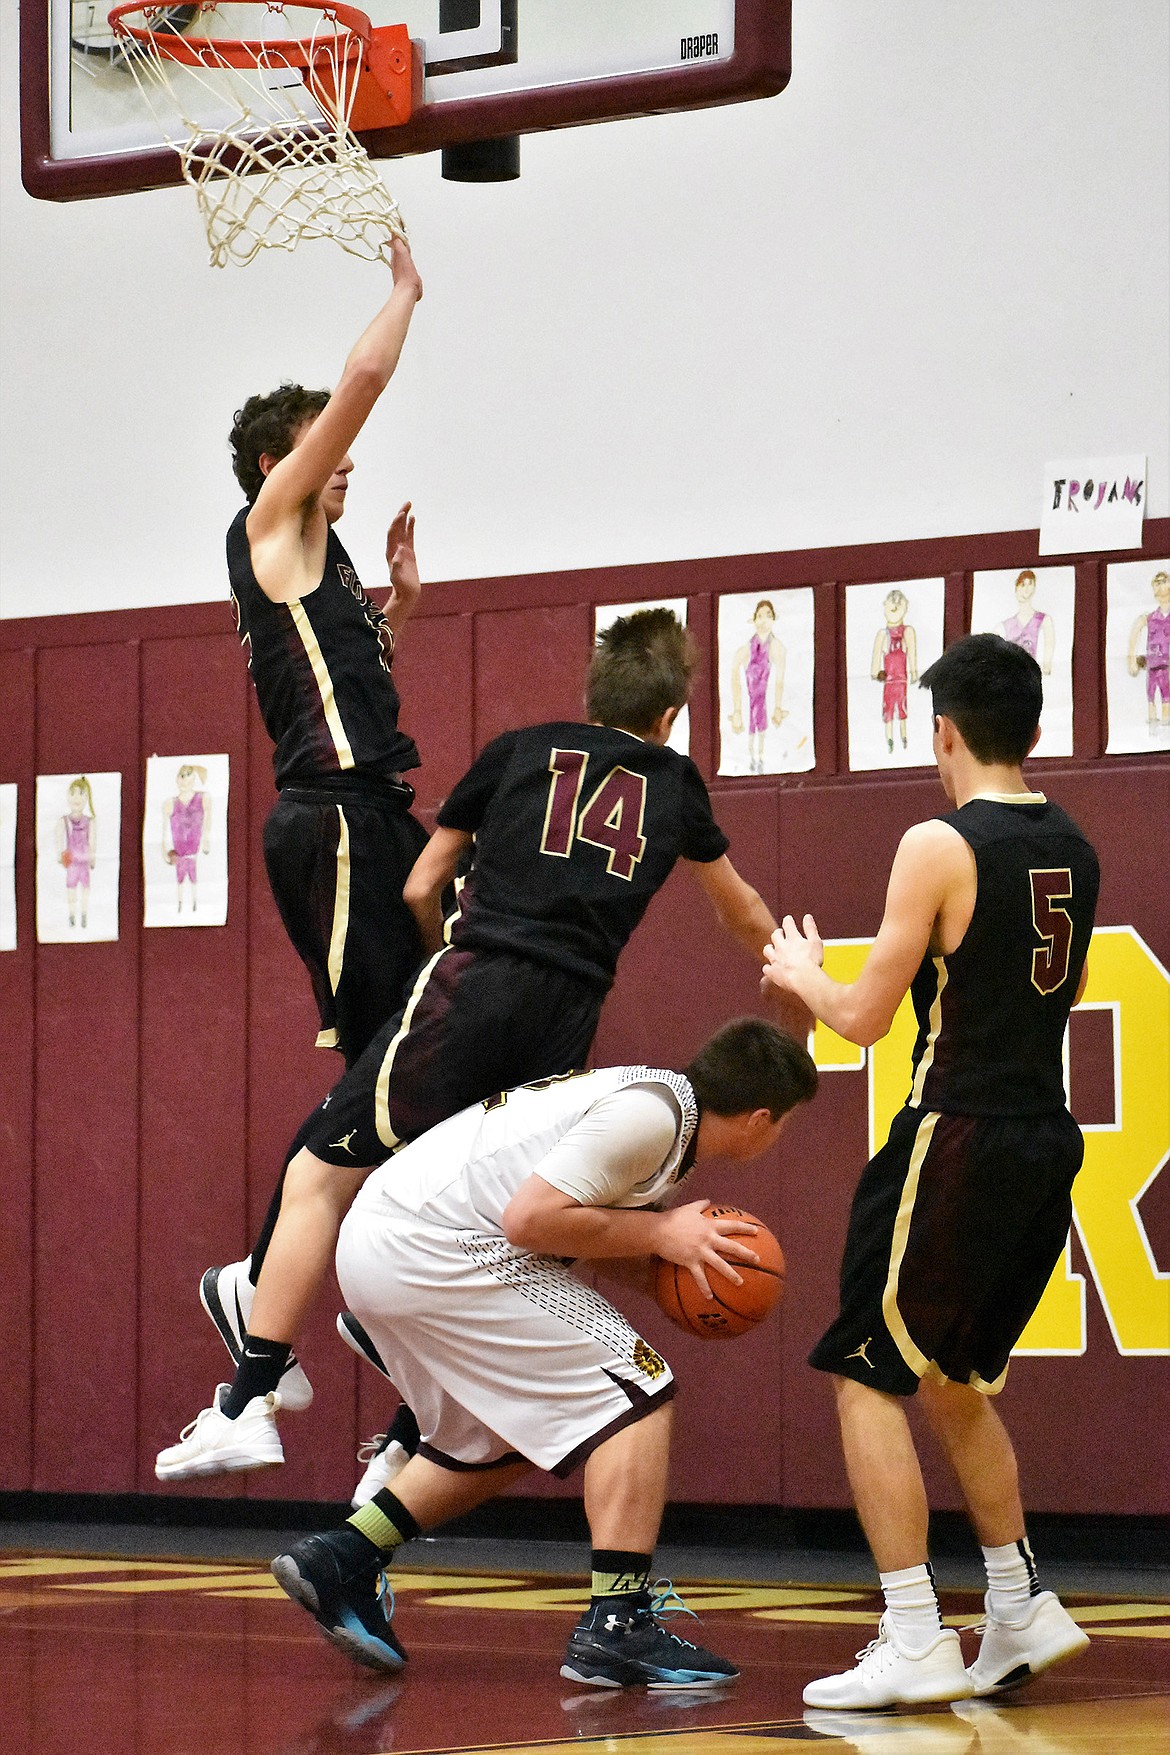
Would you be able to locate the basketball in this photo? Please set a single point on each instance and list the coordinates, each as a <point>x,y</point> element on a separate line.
<point>67,858</point>
<point>734,1309</point>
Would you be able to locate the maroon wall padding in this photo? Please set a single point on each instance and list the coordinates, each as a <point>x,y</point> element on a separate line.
<point>88,1096</point>
<point>18,1053</point>
<point>152,1085</point>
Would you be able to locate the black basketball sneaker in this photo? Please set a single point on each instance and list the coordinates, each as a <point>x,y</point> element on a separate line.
<point>346,1594</point>
<point>629,1647</point>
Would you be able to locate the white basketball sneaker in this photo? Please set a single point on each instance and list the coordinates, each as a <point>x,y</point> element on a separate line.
<point>226,1293</point>
<point>1012,1652</point>
<point>214,1445</point>
<point>887,1674</point>
<point>384,1462</point>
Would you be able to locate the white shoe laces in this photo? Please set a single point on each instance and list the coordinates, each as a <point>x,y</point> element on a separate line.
<point>371,1448</point>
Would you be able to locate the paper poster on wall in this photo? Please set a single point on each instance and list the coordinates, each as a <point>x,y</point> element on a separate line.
<point>184,841</point>
<point>8,866</point>
<point>1092,503</point>
<point>893,632</point>
<point>79,824</point>
<point>605,614</point>
<point>1137,656</point>
<point>1034,608</point>
<point>766,682</point>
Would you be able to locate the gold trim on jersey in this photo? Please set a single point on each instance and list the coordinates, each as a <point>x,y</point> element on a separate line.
<point>976,1382</point>
<point>934,1025</point>
<point>328,1038</point>
<point>324,682</point>
<point>899,1333</point>
<point>340,903</point>
<point>449,922</point>
<point>1010,797</point>
<point>386,1133</point>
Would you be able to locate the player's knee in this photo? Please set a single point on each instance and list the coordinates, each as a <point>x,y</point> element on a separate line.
<point>950,1404</point>
<point>311,1179</point>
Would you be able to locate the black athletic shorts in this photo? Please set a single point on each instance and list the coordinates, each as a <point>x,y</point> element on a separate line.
<point>955,1229</point>
<point>337,859</point>
<point>476,1022</point>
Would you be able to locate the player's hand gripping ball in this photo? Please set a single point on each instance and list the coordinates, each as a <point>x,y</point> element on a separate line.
<point>734,1309</point>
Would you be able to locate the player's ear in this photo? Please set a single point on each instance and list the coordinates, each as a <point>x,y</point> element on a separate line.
<point>1035,740</point>
<point>663,726</point>
<point>267,462</point>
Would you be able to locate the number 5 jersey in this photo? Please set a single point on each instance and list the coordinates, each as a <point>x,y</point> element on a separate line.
<point>992,1015</point>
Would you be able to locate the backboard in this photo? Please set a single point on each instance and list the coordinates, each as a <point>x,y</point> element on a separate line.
<point>491,68</point>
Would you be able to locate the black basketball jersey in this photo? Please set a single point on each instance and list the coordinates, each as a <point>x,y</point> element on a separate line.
<point>992,1015</point>
<point>576,827</point>
<point>321,666</point>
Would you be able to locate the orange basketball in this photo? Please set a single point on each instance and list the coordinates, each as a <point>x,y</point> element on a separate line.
<point>733,1309</point>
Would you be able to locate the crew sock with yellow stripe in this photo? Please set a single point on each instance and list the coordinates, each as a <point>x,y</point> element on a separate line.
<point>383,1525</point>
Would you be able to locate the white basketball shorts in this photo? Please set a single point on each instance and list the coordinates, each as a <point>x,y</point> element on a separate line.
<point>500,1353</point>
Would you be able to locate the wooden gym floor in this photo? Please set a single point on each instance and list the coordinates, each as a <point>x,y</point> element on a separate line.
<point>120,1641</point>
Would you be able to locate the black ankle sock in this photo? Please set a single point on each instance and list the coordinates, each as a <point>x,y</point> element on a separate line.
<point>403,1429</point>
<point>260,1369</point>
<point>618,1575</point>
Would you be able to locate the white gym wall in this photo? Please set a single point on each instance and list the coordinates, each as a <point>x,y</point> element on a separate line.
<point>871,308</point>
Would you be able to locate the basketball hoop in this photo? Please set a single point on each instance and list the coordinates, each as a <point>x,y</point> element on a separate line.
<point>264,126</point>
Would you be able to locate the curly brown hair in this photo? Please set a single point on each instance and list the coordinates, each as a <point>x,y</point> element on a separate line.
<point>270,424</point>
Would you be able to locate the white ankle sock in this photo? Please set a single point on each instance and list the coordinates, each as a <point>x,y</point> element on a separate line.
<point>912,1605</point>
<point>1011,1580</point>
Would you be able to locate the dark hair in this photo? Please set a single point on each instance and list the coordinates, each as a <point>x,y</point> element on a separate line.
<point>270,423</point>
<point>993,691</point>
<point>641,665</point>
<point>750,1064</point>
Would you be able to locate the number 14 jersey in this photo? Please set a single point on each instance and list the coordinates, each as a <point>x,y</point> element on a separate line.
<point>576,827</point>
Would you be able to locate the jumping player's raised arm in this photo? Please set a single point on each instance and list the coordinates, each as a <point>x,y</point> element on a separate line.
<point>282,525</point>
<point>929,900</point>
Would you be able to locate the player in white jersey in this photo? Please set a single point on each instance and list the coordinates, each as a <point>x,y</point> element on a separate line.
<point>456,1258</point>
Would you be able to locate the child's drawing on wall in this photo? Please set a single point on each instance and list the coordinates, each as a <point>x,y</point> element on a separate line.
<point>8,803</point>
<point>184,841</point>
<point>77,848</point>
<point>1030,627</point>
<point>766,660</point>
<point>1035,607</point>
<point>187,830</point>
<point>760,663</point>
<point>78,828</point>
<point>1149,651</point>
<point>895,664</point>
<point>890,723</point>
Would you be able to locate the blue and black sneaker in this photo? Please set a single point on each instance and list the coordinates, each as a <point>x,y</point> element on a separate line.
<point>629,1646</point>
<point>347,1596</point>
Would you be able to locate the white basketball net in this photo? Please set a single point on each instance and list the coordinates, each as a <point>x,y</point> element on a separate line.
<point>271,158</point>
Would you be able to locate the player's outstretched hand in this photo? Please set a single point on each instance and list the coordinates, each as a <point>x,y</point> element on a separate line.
<point>700,1243</point>
<point>403,269</point>
<point>790,949</point>
<point>400,556</point>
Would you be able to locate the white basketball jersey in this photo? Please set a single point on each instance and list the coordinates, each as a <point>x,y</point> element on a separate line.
<point>464,1172</point>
